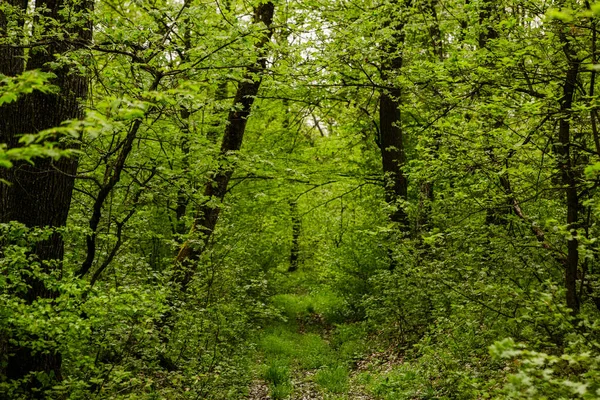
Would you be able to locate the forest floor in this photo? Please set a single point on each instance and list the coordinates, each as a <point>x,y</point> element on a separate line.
<point>313,353</point>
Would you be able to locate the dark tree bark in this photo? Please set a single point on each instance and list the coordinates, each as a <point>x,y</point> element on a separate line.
<point>391,135</point>
<point>208,214</point>
<point>497,213</point>
<point>427,188</point>
<point>487,31</point>
<point>568,173</point>
<point>39,195</point>
<point>393,154</point>
<point>296,226</point>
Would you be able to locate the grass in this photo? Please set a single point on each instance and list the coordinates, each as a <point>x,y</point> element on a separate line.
<point>277,372</point>
<point>349,341</point>
<point>308,351</point>
<point>279,343</point>
<point>334,379</point>
<point>298,344</point>
<point>325,304</point>
<point>399,383</point>
<point>314,352</point>
<point>279,392</point>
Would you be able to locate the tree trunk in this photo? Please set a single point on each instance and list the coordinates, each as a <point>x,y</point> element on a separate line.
<point>296,225</point>
<point>207,215</point>
<point>39,195</point>
<point>393,155</point>
<point>427,187</point>
<point>569,174</point>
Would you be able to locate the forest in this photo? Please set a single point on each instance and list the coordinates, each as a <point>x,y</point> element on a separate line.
<point>299,199</point>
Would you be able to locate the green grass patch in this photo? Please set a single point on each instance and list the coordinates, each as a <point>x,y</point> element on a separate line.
<point>349,341</point>
<point>280,392</point>
<point>334,379</point>
<point>323,304</point>
<point>278,375</point>
<point>308,351</point>
<point>277,372</point>
<point>279,343</point>
<point>314,352</point>
<point>293,306</point>
<point>295,345</point>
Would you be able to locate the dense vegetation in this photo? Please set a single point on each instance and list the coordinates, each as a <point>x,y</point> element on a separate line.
<point>345,199</point>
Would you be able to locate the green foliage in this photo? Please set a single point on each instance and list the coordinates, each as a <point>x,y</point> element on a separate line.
<point>574,374</point>
<point>108,335</point>
<point>27,82</point>
<point>502,168</point>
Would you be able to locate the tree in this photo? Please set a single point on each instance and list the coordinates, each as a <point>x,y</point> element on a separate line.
<point>208,214</point>
<point>393,152</point>
<point>38,194</point>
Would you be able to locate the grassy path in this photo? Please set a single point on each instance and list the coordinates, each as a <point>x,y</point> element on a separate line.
<point>310,354</point>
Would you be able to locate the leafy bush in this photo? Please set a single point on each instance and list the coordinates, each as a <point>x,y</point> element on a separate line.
<point>537,375</point>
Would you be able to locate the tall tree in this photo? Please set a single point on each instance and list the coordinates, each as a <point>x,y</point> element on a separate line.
<point>39,194</point>
<point>207,215</point>
<point>393,151</point>
<point>568,168</point>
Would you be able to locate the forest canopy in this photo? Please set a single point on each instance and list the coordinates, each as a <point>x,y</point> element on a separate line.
<point>299,199</point>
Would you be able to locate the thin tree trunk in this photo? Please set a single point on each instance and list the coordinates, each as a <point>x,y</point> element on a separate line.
<point>568,174</point>
<point>112,178</point>
<point>487,31</point>
<point>496,214</point>
<point>427,189</point>
<point>184,115</point>
<point>208,214</point>
<point>212,133</point>
<point>296,226</point>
